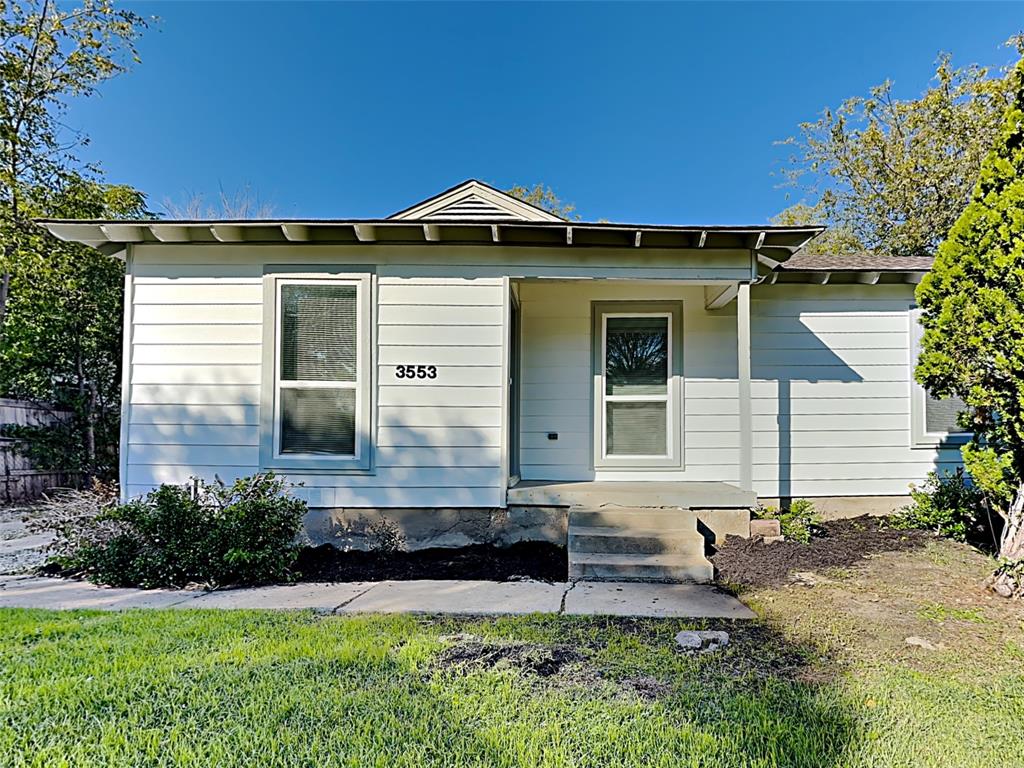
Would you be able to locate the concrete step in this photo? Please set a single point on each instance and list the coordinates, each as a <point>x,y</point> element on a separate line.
<point>623,567</point>
<point>636,544</point>
<point>635,517</point>
<point>645,541</point>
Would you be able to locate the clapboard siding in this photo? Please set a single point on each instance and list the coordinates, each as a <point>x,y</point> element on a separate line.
<point>830,389</point>
<point>831,368</point>
<point>195,382</point>
<point>557,382</point>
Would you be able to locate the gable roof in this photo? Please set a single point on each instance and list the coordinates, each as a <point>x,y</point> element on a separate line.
<point>472,200</point>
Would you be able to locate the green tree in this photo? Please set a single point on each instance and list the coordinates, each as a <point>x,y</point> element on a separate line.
<point>544,197</point>
<point>48,55</point>
<point>892,175</point>
<point>973,344</point>
<point>59,303</point>
<point>61,346</point>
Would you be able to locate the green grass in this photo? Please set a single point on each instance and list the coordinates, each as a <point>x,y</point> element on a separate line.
<point>940,612</point>
<point>190,688</point>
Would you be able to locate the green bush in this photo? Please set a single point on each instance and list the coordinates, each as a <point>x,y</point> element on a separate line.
<point>212,534</point>
<point>948,505</point>
<point>798,522</point>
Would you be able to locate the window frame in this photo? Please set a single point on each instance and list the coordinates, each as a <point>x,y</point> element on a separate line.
<point>361,461</point>
<point>673,311</point>
<point>920,437</point>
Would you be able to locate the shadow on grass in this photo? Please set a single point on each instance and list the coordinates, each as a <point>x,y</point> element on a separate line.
<point>762,700</point>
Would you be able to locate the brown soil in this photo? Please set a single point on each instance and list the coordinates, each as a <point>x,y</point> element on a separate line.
<point>529,658</point>
<point>535,560</point>
<point>838,544</point>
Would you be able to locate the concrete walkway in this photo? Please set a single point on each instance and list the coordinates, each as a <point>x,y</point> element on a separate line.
<point>485,598</point>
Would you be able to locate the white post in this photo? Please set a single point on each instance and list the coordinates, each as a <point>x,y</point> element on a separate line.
<point>743,374</point>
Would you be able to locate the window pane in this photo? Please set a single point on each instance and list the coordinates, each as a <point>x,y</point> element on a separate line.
<point>636,429</point>
<point>318,421</point>
<point>637,356</point>
<point>940,415</point>
<point>318,332</point>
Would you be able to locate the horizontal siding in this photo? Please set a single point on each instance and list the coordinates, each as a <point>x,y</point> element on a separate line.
<point>831,368</point>
<point>830,390</point>
<point>196,380</point>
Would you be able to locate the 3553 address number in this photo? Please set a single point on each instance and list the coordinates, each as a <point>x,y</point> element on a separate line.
<point>416,372</point>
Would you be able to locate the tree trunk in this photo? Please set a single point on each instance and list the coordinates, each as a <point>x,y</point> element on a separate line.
<point>1008,581</point>
<point>5,285</point>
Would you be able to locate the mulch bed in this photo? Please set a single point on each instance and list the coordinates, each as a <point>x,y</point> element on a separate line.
<point>839,543</point>
<point>537,560</point>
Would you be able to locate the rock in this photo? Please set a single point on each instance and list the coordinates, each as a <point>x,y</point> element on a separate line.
<point>921,642</point>
<point>703,640</point>
<point>809,579</point>
<point>765,528</point>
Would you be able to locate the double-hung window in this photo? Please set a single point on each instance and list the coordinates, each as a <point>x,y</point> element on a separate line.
<point>637,409</point>
<point>316,402</point>
<point>933,421</point>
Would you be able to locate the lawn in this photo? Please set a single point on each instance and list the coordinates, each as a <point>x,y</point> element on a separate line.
<point>825,678</point>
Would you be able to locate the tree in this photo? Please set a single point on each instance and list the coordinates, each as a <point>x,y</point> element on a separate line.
<point>49,55</point>
<point>973,343</point>
<point>893,175</point>
<point>544,197</point>
<point>837,239</point>
<point>61,347</point>
<point>244,203</point>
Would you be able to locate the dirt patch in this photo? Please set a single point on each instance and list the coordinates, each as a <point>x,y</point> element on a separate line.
<point>841,543</point>
<point>535,560</point>
<point>528,658</point>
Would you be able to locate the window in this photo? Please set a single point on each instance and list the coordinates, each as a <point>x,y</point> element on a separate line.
<point>933,421</point>
<point>317,357</point>
<point>636,366</point>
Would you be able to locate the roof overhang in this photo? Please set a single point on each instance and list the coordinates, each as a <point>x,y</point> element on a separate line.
<point>771,244</point>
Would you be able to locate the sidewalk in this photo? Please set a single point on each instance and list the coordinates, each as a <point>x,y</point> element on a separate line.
<point>452,597</point>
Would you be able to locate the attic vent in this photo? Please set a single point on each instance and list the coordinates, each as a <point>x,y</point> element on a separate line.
<point>472,208</point>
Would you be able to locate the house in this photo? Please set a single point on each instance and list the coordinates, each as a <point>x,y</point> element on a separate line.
<point>474,367</point>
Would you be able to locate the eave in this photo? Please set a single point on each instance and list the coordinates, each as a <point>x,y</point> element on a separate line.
<point>771,244</point>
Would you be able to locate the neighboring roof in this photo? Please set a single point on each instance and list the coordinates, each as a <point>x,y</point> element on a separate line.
<point>868,268</point>
<point>472,200</point>
<point>856,262</point>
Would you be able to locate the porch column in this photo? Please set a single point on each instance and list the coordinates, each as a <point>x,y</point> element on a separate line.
<point>743,376</point>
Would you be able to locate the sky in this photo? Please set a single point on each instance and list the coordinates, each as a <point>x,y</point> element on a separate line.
<point>639,113</point>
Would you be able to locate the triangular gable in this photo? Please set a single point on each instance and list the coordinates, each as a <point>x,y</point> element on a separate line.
<point>475,201</point>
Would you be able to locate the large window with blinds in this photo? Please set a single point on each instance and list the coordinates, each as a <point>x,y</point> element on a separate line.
<point>933,420</point>
<point>321,374</point>
<point>637,419</point>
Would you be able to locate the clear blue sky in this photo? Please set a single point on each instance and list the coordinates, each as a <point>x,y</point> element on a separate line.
<point>639,113</point>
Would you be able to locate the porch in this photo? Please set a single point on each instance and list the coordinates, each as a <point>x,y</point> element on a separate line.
<point>692,495</point>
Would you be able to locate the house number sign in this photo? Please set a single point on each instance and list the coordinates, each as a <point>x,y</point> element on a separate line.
<point>416,372</point>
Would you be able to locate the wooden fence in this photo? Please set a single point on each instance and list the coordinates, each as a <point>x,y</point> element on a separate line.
<point>19,480</point>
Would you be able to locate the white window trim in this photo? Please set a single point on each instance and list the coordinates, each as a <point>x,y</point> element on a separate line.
<point>606,398</point>
<point>919,436</point>
<point>674,410</point>
<point>361,461</point>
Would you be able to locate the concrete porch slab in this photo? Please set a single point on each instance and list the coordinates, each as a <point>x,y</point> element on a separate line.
<point>687,495</point>
<point>483,598</point>
<point>595,598</point>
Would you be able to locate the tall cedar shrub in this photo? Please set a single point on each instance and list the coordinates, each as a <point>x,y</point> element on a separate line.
<point>973,343</point>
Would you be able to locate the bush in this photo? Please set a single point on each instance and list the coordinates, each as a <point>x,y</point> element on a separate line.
<point>212,534</point>
<point>949,506</point>
<point>798,523</point>
<point>77,519</point>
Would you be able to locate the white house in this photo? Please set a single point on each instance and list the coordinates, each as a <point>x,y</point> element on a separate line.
<point>474,367</point>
